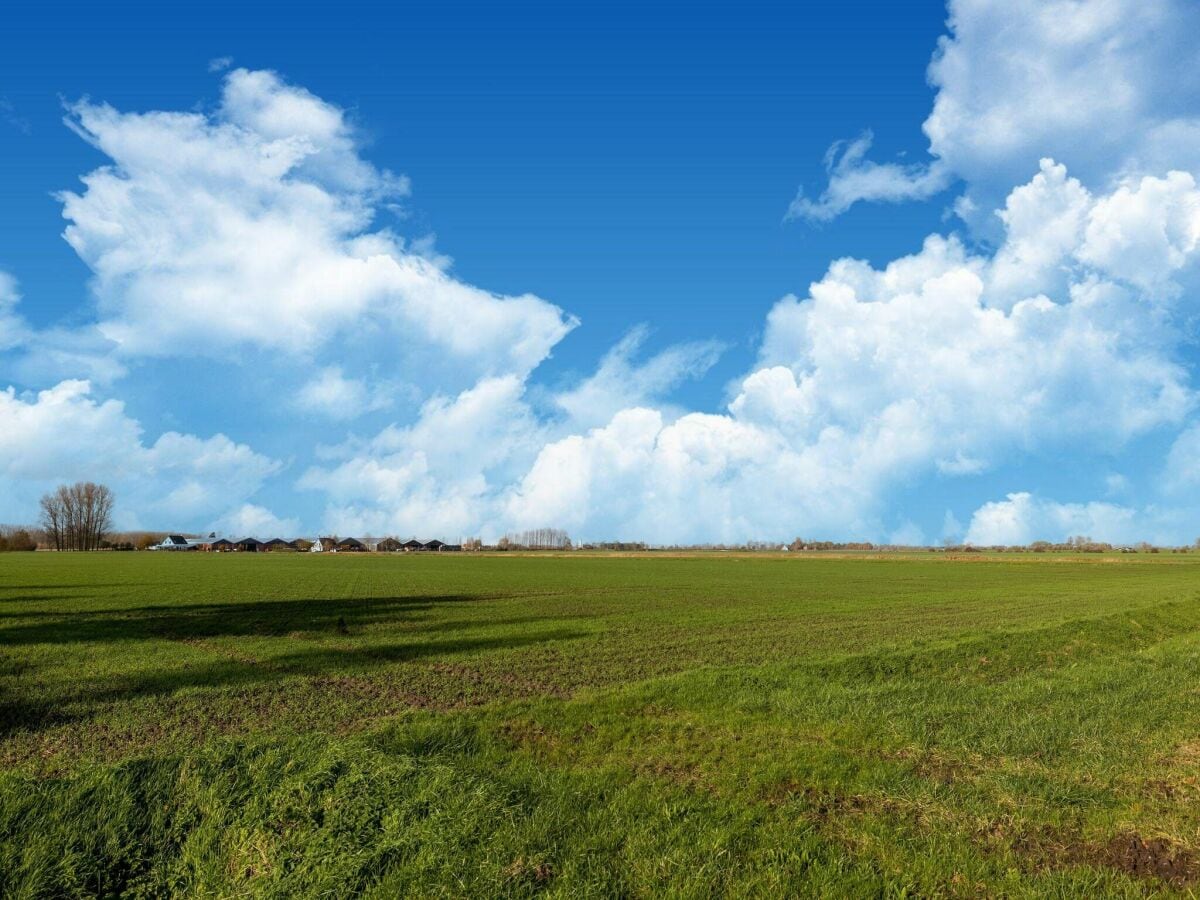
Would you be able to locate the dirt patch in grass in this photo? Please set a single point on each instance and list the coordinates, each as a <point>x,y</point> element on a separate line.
<point>500,683</point>
<point>1188,754</point>
<point>1128,853</point>
<point>686,775</point>
<point>529,872</point>
<point>824,805</point>
<point>1152,857</point>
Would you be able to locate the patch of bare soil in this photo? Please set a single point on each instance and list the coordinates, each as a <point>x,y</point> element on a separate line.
<point>1130,853</point>
<point>1153,857</point>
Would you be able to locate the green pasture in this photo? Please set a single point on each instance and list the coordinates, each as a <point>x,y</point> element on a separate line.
<point>300,725</point>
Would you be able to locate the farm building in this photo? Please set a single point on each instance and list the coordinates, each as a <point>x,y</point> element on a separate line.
<point>179,542</point>
<point>436,546</point>
<point>413,545</point>
<point>212,543</point>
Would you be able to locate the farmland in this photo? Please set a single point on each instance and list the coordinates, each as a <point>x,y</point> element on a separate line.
<point>300,725</point>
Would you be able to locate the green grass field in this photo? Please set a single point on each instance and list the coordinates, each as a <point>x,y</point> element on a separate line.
<point>297,726</point>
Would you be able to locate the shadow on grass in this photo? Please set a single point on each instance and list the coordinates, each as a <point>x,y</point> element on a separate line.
<point>21,715</point>
<point>263,618</point>
<point>355,651</point>
<point>323,664</point>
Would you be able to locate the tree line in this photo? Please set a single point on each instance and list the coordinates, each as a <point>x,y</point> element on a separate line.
<point>77,516</point>
<point>15,538</point>
<point>536,539</point>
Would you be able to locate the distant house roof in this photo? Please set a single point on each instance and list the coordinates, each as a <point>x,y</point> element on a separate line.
<point>434,544</point>
<point>177,539</point>
<point>249,542</point>
<point>221,542</point>
<point>277,542</point>
<point>351,543</point>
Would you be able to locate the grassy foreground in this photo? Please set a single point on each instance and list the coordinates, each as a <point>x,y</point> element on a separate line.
<point>490,725</point>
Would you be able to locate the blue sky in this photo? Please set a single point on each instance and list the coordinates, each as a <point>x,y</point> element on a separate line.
<point>629,163</point>
<point>633,167</point>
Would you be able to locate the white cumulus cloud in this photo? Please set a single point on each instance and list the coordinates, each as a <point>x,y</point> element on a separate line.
<point>1107,87</point>
<point>252,227</point>
<point>440,473</point>
<point>940,362</point>
<point>63,434</point>
<point>252,520</point>
<point>1022,518</point>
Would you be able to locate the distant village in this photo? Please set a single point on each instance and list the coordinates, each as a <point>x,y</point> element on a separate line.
<point>214,544</point>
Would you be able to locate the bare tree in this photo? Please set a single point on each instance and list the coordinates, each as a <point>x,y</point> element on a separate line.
<point>77,516</point>
<point>53,523</point>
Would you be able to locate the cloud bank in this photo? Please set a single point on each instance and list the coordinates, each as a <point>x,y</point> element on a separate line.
<point>250,235</point>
